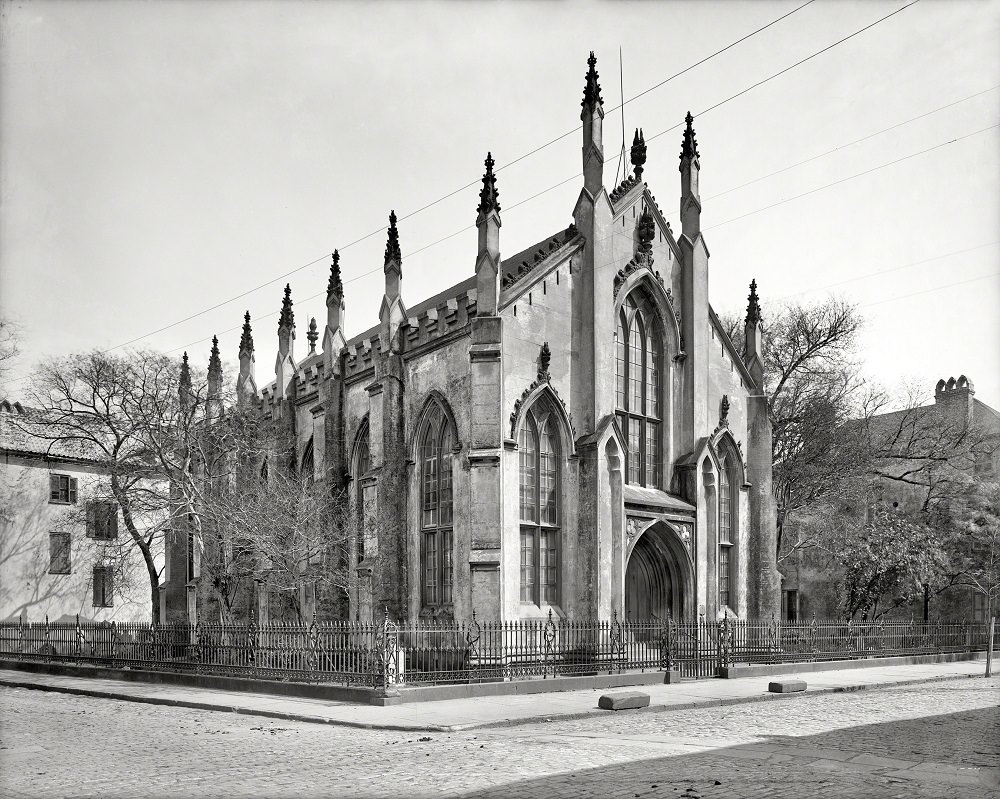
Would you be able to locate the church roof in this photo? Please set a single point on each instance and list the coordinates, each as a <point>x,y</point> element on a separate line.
<point>508,266</point>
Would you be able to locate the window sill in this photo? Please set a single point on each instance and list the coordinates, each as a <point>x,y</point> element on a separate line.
<point>529,610</point>
<point>61,502</point>
<point>60,573</point>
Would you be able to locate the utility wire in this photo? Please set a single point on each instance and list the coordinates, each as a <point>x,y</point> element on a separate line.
<point>852,177</point>
<point>793,66</point>
<point>851,144</point>
<point>466,186</point>
<point>889,270</point>
<point>933,288</point>
<point>541,147</point>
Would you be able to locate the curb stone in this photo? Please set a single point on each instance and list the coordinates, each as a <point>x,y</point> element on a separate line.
<point>515,722</point>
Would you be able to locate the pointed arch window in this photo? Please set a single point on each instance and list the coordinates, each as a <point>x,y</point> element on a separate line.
<point>540,505</point>
<point>638,387</point>
<point>727,524</point>
<point>436,512</point>
<point>362,464</point>
<point>308,468</point>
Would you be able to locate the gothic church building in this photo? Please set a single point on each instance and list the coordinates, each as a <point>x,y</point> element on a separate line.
<point>567,429</point>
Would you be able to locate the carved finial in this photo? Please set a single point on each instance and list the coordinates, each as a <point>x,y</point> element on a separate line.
<point>488,196</point>
<point>646,231</point>
<point>214,361</point>
<point>753,304</point>
<point>689,147</point>
<point>185,377</point>
<point>246,340</point>
<point>544,356</point>
<point>592,91</point>
<point>335,288</point>
<point>638,153</point>
<point>392,253</point>
<point>287,317</point>
<point>724,410</point>
<point>312,335</point>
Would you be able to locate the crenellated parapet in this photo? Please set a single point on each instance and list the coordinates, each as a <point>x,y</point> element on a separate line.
<point>442,319</point>
<point>360,356</point>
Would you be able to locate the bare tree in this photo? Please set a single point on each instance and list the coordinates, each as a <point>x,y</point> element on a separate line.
<point>95,404</point>
<point>815,395</point>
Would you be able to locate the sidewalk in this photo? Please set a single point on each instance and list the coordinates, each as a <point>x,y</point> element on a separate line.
<point>451,715</point>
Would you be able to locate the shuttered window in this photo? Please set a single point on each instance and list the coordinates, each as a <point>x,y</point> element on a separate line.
<point>59,553</point>
<point>103,581</point>
<point>62,489</point>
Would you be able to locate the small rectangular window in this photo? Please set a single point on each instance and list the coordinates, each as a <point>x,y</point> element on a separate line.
<point>724,552</point>
<point>102,521</point>
<point>62,489</point>
<point>59,553</point>
<point>979,606</point>
<point>527,565</point>
<point>103,587</point>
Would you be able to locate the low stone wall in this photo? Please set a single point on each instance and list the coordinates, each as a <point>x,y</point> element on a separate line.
<point>763,669</point>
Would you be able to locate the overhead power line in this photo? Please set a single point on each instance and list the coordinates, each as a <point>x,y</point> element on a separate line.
<point>852,177</point>
<point>537,149</point>
<point>475,182</point>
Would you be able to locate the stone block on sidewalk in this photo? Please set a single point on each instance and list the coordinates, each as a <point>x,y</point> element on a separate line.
<point>786,686</point>
<point>623,700</point>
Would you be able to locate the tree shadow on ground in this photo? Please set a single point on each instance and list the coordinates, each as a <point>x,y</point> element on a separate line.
<point>954,754</point>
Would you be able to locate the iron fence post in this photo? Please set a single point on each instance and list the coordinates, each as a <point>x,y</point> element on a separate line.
<point>472,634</point>
<point>549,637</point>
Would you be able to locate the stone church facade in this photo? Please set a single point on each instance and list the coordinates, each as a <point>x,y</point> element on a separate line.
<point>567,429</point>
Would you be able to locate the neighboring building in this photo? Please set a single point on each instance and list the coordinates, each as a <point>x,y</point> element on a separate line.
<point>60,552</point>
<point>569,429</point>
<point>956,438</point>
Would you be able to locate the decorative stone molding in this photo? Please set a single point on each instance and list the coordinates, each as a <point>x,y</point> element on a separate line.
<point>519,403</point>
<point>624,188</point>
<point>540,255</point>
<point>638,153</point>
<point>544,356</point>
<point>685,532</point>
<point>631,528</point>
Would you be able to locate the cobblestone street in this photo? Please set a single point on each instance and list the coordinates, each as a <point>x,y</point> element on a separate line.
<point>932,740</point>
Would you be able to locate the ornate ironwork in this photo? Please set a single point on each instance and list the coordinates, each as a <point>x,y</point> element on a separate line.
<point>725,642</point>
<point>617,640</point>
<point>312,655</point>
<point>473,632</point>
<point>197,650</point>
<point>386,660</point>
<point>548,639</point>
<point>114,642</point>
<point>443,651</point>
<point>668,641</point>
<point>773,635</point>
<point>78,643</point>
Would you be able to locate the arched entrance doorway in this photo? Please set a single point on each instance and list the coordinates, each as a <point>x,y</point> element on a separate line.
<point>658,577</point>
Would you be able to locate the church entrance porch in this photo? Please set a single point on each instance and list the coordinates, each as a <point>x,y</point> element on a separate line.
<point>659,577</point>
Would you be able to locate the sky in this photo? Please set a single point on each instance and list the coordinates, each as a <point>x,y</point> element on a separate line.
<point>157,160</point>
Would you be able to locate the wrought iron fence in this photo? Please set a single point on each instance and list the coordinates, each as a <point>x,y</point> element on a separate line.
<point>384,654</point>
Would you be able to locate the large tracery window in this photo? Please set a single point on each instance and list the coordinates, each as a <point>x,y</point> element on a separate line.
<point>538,451</point>
<point>726,523</point>
<point>362,464</point>
<point>437,560</point>
<point>638,393</point>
